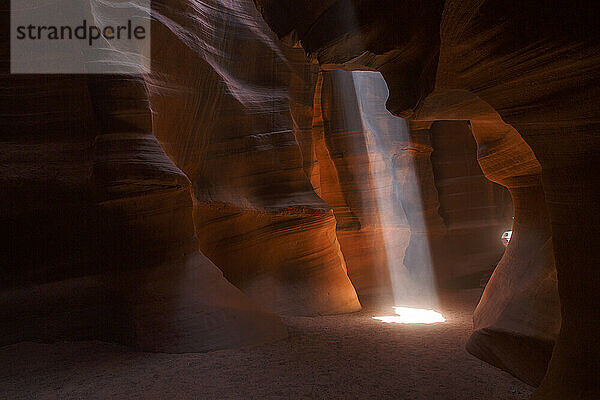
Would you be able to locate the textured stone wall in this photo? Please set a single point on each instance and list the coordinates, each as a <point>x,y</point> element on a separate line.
<point>356,179</point>
<point>105,260</point>
<point>234,128</point>
<point>101,241</point>
<point>516,325</point>
<point>389,184</point>
<point>535,64</point>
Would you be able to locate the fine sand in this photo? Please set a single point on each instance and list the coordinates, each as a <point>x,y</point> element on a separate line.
<point>331,357</point>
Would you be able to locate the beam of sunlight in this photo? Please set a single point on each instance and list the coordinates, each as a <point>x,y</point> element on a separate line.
<point>389,136</point>
<point>406,315</point>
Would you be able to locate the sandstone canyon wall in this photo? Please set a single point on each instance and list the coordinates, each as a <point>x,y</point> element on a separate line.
<point>101,243</point>
<point>457,215</point>
<point>257,216</point>
<point>518,318</point>
<point>384,194</point>
<point>109,263</point>
<point>474,210</point>
<point>535,65</point>
<point>355,178</point>
<point>289,181</point>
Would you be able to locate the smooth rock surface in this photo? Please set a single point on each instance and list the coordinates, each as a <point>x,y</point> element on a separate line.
<point>535,64</point>
<point>256,214</point>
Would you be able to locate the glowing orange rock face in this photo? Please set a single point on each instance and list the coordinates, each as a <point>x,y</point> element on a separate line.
<point>104,207</point>
<point>355,177</point>
<point>538,70</point>
<point>389,184</point>
<point>256,213</point>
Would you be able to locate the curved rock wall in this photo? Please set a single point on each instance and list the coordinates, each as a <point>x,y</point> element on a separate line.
<point>556,116</point>
<point>474,210</point>
<point>101,239</point>
<point>516,325</point>
<point>419,197</point>
<point>373,169</point>
<point>257,216</point>
<point>456,215</point>
<point>117,268</point>
<point>356,178</point>
<point>537,65</point>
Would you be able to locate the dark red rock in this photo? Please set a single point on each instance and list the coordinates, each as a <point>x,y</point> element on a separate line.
<point>536,65</point>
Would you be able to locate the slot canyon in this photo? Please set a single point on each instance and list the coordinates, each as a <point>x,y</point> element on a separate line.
<point>289,199</point>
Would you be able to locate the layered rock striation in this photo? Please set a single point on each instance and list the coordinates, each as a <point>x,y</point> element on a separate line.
<point>101,241</point>
<point>536,65</point>
<point>356,179</point>
<point>228,125</point>
<point>389,184</point>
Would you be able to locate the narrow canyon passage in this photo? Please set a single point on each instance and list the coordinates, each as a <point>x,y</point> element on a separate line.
<point>240,212</point>
<point>325,357</point>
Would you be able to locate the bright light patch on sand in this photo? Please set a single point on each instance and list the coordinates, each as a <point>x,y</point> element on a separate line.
<point>382,132</point>
<point>406,315</point>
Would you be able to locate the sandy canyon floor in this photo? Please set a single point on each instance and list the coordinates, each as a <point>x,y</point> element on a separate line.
<point>330,357</point>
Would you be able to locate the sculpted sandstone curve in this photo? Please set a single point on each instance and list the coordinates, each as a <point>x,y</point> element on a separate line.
<point>256,214</point>
<point>94,252</point>
<point>535,64</point>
